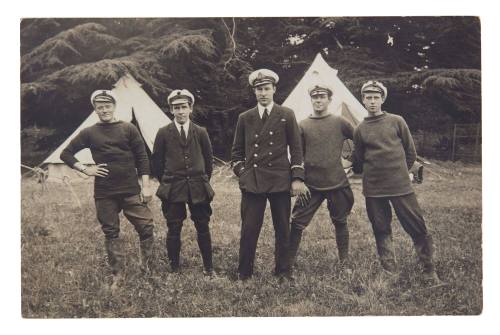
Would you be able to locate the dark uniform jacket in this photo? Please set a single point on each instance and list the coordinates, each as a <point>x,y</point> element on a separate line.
<point>260,153</point>
<point>184,169</point>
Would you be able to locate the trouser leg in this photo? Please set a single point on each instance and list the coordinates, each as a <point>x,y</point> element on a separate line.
<point>175,214</point>
<point>340,203</point>
<point>205,245</point>
<point>174,244</point>
<point>141,217</point>
<point>281,204</point>
<point>301,217</point>
<point>411,218</point>
<point>252,216</point>
<point>380,215</point>
<point>295,238</point>
<point>107,210</point>
<point>200,214</point>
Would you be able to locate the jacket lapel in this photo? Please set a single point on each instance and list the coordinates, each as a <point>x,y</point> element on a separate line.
<point>255,120</point>
<point>273,117</point>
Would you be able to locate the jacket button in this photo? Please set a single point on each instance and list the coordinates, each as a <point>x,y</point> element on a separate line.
<point>255,155</point>
<point>270,164</point>
<point>256,135</point>
<point>270,133</point>
<point>255,165</point>
<point>270,153</point>
<point>256,145</point>
<point>270,143</point>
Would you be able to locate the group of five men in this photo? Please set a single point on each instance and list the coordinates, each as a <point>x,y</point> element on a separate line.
<point>273,157</point>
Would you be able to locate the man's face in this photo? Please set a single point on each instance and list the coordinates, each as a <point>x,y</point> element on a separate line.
<point>105,111</point>
<point>181,112</point>
<point>264,93</point>
<point>373,102</point>
<point>320,102</point>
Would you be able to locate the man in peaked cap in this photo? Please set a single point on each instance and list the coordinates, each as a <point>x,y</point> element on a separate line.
<point>384,152</point>
<point>183,162</point>
<point>323,135</point>
<point>259,157</point>
<point>120,156</point>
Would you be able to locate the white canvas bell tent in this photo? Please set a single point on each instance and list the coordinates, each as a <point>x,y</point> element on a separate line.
<point>133,103</point>
<point>343,102</point>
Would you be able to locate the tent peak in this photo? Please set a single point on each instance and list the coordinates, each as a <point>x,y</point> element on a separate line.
<point>127,80</point>
<point>343,102</point>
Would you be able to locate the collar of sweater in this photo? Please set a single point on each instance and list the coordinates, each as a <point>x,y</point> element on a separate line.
<point>109,124</point>
<point>313,116</point>
<point>376,118</point>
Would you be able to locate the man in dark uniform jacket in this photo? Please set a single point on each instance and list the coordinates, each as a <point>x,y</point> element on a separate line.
<point>263,136</point>
<point>183,163</point>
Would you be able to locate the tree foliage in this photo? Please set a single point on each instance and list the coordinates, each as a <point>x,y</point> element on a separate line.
<point>431,65</point>
<point>84,43</point>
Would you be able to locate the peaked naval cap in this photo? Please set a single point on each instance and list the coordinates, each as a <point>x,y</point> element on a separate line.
<point>374,87</point>
<point>320,89</point>
<point>102,96</point>
<point>262,77</point>
<point>179,97</point>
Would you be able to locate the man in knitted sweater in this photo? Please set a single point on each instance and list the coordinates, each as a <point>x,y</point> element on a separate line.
<point>119,153</point>
<point>384,152</point>
<point>323,135</point>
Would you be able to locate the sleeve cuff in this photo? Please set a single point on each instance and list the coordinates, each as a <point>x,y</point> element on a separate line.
<point>238,167</point>
<point>298,172</point>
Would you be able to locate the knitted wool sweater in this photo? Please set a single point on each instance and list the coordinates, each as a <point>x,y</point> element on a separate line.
<point>120,146</point>
<point>384,151</point>
<point>322,141</point>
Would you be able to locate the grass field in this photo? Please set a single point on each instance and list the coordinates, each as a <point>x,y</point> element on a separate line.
<point>65,274</point>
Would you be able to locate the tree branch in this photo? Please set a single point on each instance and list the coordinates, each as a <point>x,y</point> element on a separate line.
<point>231,36</point>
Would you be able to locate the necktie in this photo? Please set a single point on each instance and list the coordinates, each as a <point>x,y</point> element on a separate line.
<point>265,115</point>
<point>183,134</point>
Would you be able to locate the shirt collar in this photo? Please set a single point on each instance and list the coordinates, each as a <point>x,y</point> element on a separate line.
<point>268,107</point>
<point>178,126</point>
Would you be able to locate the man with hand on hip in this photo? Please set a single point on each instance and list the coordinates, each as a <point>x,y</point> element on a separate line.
<point>120,155</point>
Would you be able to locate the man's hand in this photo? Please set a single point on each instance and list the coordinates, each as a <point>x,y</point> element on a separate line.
<point>146,190</point>
<point>302,192</point>
<point>98,170</point>
<point>146,194</point>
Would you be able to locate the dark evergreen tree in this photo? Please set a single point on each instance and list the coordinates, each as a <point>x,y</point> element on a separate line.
<point>430,64</point>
